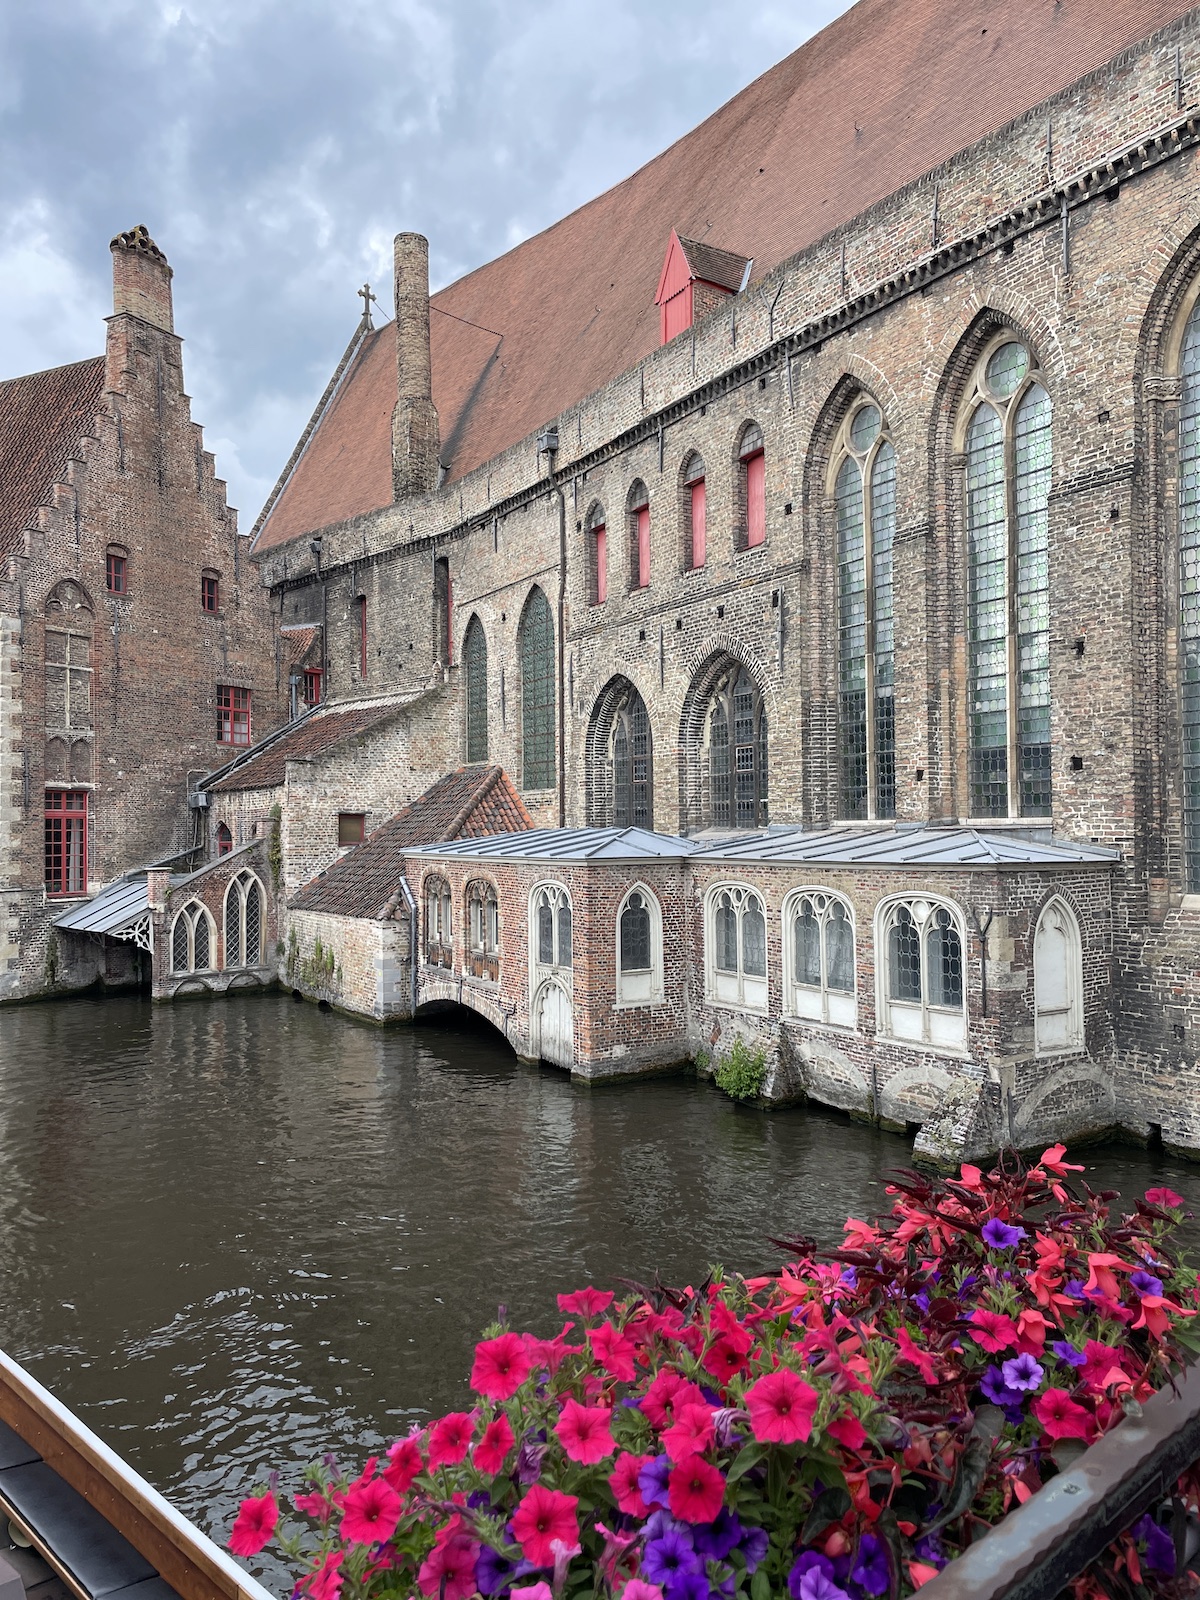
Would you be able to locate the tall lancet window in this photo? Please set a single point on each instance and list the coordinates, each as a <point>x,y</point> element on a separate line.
<point>475,663</point>
<point>865,496</point>
<point>1189,594</point>
<point>1008,610</point>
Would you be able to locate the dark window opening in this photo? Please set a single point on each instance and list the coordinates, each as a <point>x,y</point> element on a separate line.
<point>210,591</point>
<point>116,572</point>
<point>351,828</point>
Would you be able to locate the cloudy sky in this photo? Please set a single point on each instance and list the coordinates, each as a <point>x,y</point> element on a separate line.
<point>273,147</point>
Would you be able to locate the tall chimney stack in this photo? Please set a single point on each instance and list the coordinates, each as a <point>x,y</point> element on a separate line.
<point>141,279</point>
<point>416,439</point>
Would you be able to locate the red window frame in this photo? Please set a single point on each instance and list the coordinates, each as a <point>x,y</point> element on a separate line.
<point>116,572</point>
<point>600,555</point>
<point>233,715</point>
<point>362,635</point>
<point>699,512</point>
<point>224,840</point>
<point>642,515</point>
<point>210,592</point>
<point>66,842</point>
<point>755,468</point>
<point>314,681</point>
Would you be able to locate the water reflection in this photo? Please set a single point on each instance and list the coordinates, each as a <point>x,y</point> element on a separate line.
<point>236,1233</point>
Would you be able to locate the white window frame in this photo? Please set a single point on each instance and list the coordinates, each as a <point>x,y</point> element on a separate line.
<point>724,987</point>
<point>640,986</point>
<point>920,1024</point>
<point>540,970</point>
<point>190,914</point>
<point>439,917</point>
<point>1058,1029</point>
<point>818,1002</point>
<point>241,885</point>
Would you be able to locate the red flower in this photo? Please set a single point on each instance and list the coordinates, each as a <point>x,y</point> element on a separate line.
<point>781,1407</point>
<point>495,1444</point>
<point>695,1490</point>
<point>1052,1160</point>
<point>1167,1199</point>
<point>501,1366</point>
<point>325,1581</point>
<point>1102,1367</point>
<point>1061,1417</point>
<point>848,1431</point>
<point>317,1504</point>
<point>551,1353</point>
<point>623,1481</point>
<point>993,1331</point>
<point>915,1357</point>
<point>725,1358</point>
<point>256,1520</point>
<point>404,1463</point>
<point>372,1511</point>
<point>449,1569</point>
<point>585,1432</point>
<point>691,1433</point>
<point>666,1394</point>
<point>450,1439</point>
<point>613,1351</point>
<point>543,1516</point>
<point>586,1302</point>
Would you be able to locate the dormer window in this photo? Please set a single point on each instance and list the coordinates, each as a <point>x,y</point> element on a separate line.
<point>695,279</point>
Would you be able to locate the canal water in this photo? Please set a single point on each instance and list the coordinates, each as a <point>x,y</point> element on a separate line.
<point>235,1234</point>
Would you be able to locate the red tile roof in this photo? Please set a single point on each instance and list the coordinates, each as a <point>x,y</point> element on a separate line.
<point>886,92</point>
<point>467,804</point>
<point>313,735</point>
<point>42,419</point>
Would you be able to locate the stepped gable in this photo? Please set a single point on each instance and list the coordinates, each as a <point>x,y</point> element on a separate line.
<point>313,735</point>
<point>43,418</point>
<point>881,96</point>
<point>467,804</point>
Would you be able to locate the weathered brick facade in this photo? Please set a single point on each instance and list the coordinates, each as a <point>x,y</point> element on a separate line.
<point>125,711</point>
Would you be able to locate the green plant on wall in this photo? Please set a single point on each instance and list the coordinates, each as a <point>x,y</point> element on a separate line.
<point>51,960</point>
<point>275,847</point>
<point>742,1073</point>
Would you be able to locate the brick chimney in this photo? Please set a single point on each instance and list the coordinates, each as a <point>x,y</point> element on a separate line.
<point>416,439</point>
<point>141,279</point>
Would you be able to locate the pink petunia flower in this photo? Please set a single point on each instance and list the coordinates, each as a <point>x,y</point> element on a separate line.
<point>613,1351</point>
<point>325,1582</point>
<point>255,1523</point>
<point>497,1440</point>
<point>623,1481</point>
<point>533,1591</point>
<point>1166,1199</point>
<point>666,1394</point>
<point>695,1490</point>
<point>501,1366</point>
<point>317,1504</point>
<point>450,1439</point>
<point>585,1432</point>
<point>371,1512</point>
<point>543,1516</point>
<point>586,1302</point>
<point>404,1463</point>
<point>992,1330</point>
<point>690,1434</point>
<point>781,1407</point>
<point>635,1589</point>
<point>1061,1417</point>
<point>451,1563</point>
<point>726,1357</point>
<point>911,1354</point>
<point>848,1431</point>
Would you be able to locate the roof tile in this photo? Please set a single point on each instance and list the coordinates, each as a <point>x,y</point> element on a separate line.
<point>312,735</point>
<point>43,418</point>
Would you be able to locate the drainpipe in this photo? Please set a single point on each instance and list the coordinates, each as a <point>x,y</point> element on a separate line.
<point>548,446</point>
<point>412,944</point>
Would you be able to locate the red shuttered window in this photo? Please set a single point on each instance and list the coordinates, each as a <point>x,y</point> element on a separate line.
<point>756,500</point>
<point>116,572</point>
<point>233,715</point>
<point>699,527</point>
<point>600,555</point>
<point>313,679</point>
<point>66,841</point>
<point>643,547</point>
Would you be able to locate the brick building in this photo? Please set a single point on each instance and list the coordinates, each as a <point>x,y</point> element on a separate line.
<point>819,504</point>
<point>136,644</point>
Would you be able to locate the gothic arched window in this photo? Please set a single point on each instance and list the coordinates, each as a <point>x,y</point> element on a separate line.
<point>695,512</point>
<point>921,945</point>
<point>865,500</point>
<point>1189,593</point>
<point>1057,981</point>
<point>224,839</point>
<point>737,753</point>
<point>192,939</point>
<point>637,510</point>
<point>475,664</point>
<point>633,789</point>
<point>69,626</point>
<point>639,948</point>
<point>439,923</point>
<point>243,921</point>
<point>483,927</point>
<point>1008,450</point>
<point>818,931</point>
<point>551,930</point>
<point>751,488</point>
<point>537,693</point>
<point>736,947</point>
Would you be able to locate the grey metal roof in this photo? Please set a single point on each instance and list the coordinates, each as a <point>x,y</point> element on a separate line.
<point>906,846</point>
<point>116,906</point>
<point>884,846</point>
<point>565,844</point>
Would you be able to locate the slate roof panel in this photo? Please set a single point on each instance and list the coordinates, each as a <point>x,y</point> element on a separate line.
<point>43,418</point>
<point>881,96</point>
<point>116,906</point>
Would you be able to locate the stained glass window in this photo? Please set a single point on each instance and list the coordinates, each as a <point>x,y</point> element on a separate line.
<point>475,663</point>
<point>1189,594</point>
<point>632,779</point>
<point>537,693</point>
<point>737,764</point>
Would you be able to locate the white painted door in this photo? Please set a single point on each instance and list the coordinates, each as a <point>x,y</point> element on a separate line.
<point>555,1026</point>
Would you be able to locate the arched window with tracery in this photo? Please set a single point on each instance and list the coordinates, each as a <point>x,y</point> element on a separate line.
<point>922,995</point>
<point>1189,592</point>
<point>736,947</point>
<point>737,752</point>
<point>1009,463</point>
<point>193,939</point>
<point>818,938</point>
<point>69,628</point>
<point>244,921</point>
<point>632,782</point>
<point>537,693</point>
<point>439,923</point>
<point>551,933</point>
<point>483,930</point>
<point>865,501</point>
<point>639,948</point>
<point>475,665</point>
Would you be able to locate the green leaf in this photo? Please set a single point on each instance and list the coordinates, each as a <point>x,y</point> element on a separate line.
<point>831,1506</point>
<point>749,1456</point>
<point>760,1586</point>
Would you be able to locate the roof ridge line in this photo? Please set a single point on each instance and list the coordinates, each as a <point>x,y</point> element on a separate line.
<point>480,793</point>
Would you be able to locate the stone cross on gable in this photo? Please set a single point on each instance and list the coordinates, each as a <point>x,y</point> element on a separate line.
<point>366,297</point>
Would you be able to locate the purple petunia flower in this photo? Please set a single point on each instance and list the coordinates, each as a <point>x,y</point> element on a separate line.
<point>1022,1373</point>
<point>652,1481</point>
<point>997,1391</point>
<point>755,1545</point>
<point>1068,1354</point>
<point>870,1571</point>
<point>529,1460</point>
<point>714,1541</point>
<point>1002,1235</point>
<point>1074,1288</point>
<point>1160,1547</point>
<point>849,1276</point>
<point>687,1586</point>
<point>659,1523</point>
<point>808,1561</point>
<point>669,1557</point>
<point>817,1585</point>
<point>929,1549</point>
<point>1145,1283</point>
<point>921,1298</point>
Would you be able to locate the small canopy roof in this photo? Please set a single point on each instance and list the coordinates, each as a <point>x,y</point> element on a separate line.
<point>119,905</point>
